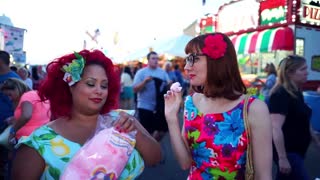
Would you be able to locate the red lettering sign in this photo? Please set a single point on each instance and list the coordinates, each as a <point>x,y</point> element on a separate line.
<point>311,14</point>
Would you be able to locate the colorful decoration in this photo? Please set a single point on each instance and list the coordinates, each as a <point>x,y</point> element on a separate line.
<point>73,70</point>
<point>214,46</point>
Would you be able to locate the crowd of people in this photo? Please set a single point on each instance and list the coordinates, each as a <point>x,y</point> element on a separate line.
<point>51,115</point>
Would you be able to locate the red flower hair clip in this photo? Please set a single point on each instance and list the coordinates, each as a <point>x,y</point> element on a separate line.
<point>214,46</point>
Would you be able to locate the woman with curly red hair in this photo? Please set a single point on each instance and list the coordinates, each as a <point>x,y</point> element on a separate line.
<point>80,87</point>
<point>214,139</point>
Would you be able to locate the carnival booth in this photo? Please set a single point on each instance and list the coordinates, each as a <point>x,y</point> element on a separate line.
<point>267,31</point>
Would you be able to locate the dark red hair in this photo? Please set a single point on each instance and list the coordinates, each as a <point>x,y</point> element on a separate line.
<point>56,90</point>
<point>223,75</point>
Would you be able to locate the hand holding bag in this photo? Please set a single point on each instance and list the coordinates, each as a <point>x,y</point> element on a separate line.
<point>249,175</point>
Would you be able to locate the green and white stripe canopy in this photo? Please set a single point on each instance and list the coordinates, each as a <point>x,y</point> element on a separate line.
<point>264,41</point>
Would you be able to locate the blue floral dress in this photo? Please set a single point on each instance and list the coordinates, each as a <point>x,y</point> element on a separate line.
<point>217,141</point>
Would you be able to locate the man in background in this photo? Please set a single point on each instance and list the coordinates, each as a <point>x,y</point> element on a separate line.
<point>150,83</point>
<point>5,71</point>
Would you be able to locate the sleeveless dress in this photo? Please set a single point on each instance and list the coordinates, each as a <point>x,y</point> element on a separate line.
<point>57,151</point>
<point>217,141</point>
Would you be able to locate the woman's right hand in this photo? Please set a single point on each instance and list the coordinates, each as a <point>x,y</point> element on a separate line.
<point>172,104</point>
<point>284,165</point>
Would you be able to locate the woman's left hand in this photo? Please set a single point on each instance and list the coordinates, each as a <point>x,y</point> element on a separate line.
<point>126,123</point>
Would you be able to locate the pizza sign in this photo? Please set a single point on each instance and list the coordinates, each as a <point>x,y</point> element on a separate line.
<point>310,12</point>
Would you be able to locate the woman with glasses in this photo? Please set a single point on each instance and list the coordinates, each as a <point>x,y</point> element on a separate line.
<point>213,142</point>
<point>290,119</point>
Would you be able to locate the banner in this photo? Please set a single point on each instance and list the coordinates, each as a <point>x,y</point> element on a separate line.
<point>13,41</point>
<point>237,16</point>
<point>272,11</point>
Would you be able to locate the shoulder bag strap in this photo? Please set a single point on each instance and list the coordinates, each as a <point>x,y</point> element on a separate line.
<point>249,162</point>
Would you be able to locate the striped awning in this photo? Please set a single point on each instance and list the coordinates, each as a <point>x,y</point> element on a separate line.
<point>264,41</point>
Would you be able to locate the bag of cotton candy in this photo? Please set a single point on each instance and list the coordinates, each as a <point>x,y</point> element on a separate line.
<point>105,155</point>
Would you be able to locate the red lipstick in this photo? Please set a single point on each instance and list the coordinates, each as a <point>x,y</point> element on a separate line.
<point>96,100</point>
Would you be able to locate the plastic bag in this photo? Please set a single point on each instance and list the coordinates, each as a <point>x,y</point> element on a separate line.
<point>105,155</point>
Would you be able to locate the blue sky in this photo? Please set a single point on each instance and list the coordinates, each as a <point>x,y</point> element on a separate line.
<point>58,27</point>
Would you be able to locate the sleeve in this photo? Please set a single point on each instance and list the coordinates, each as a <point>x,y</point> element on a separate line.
<point>30,96</point>
<point>271,80</point>
<point>30,141</point>
<point>279,102</point>
<point>137,78</point>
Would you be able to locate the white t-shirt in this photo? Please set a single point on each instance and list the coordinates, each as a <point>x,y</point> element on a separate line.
<point>126,79</point>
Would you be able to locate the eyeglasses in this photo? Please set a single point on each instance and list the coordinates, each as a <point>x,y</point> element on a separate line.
<point>192,58</point>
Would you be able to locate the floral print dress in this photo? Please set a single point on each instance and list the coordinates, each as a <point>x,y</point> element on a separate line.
<point>217,141</point>
<point>57,151</point>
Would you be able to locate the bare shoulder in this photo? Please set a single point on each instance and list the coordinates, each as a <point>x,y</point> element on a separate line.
<point>258,106</point>
<point>258,113</point>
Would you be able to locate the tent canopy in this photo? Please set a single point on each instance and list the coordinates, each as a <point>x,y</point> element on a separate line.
<point>172,46</point>
<point>264,41</point>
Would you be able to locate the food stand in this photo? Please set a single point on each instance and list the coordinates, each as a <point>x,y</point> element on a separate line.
<point>267,31</point>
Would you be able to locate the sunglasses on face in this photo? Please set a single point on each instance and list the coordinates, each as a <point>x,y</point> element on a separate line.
<point>192,58</point>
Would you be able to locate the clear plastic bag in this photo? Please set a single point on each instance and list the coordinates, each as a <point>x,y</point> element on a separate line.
<point>105,155</point>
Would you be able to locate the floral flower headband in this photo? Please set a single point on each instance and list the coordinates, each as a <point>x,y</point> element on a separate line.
<point>73,70</point>
<point>214,46</point>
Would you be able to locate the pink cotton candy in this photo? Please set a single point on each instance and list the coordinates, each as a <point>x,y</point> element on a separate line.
<point>176,87</point>
<point>104,156</point>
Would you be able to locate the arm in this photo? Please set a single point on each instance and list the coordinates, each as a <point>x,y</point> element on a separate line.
<point>179,144</point>
<point>27,164</point>
<point>141,85</point>
<point>277,123</point>
<point>260,81</point>
<point>279,106</point>
<point>26,114</point>
<point>147,146</point>
<point>278,139</point>
<point>261,134</point>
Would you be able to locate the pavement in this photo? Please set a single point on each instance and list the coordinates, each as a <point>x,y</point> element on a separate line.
<point>167,169</point>
<point>170,170</point>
